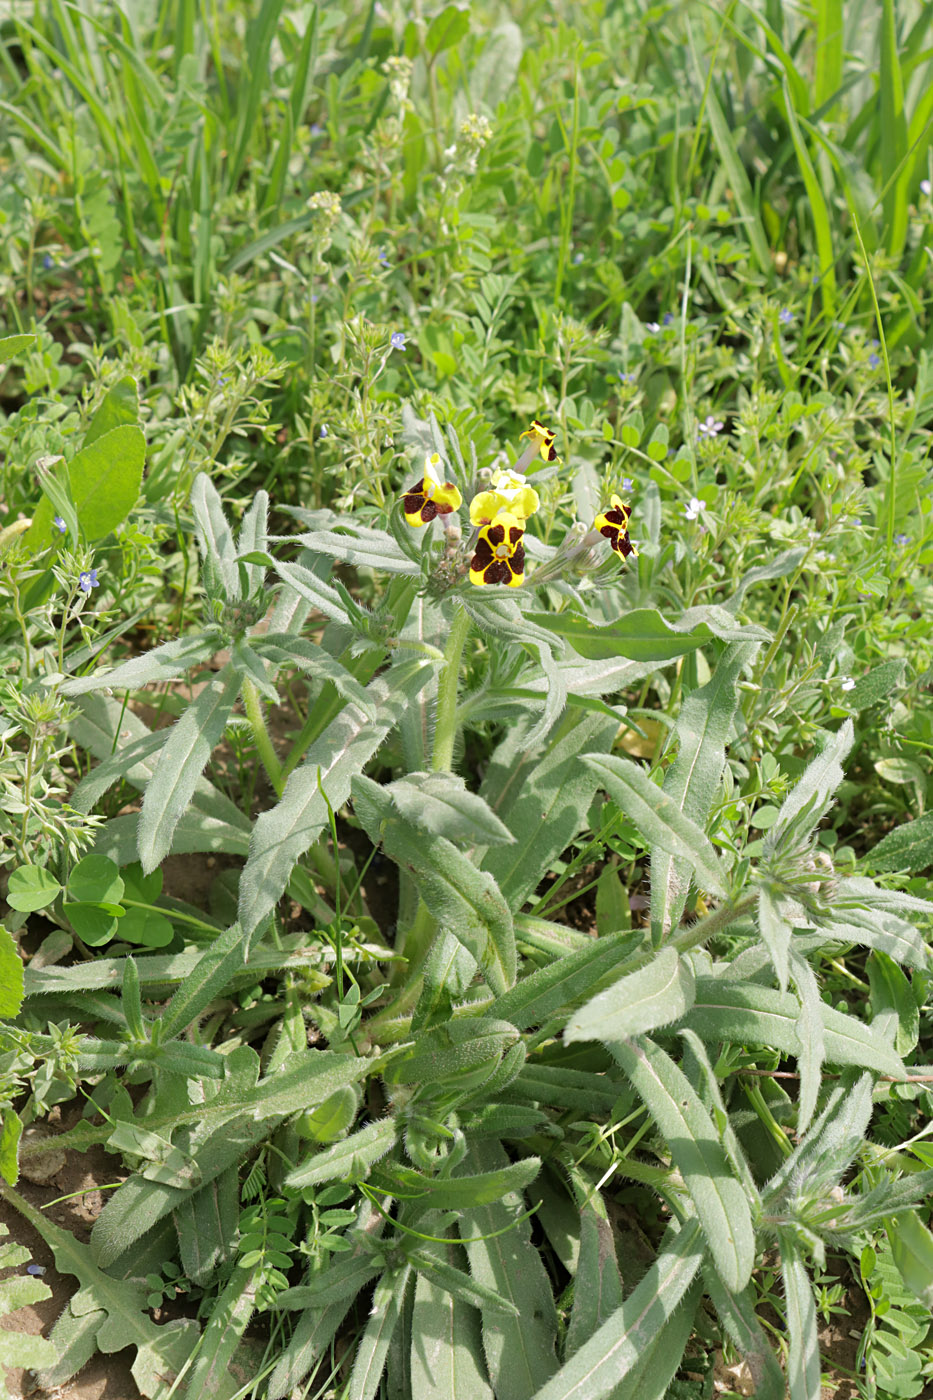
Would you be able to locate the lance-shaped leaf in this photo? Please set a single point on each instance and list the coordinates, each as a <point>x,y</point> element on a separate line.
<point>373,1347</point>
<point>809,799</point>
<point>908,847</point>
<point>538,996</point>
<point>776,933</point>
<point>720,1198</point>
<point>644,635</point>
<point>446,1343</point>
<point>215,535</point>
<point>441,803</point>
<point>912,1249</point>
<point>282,649</point>
<point>597,1286</point>
<point>457,1283</point>
<point>779,567</point>
<point>519,1351</point>
<point>465,901</point>
<point>747,1014</point>
<point>356,544</point>
<point>594,1371</point>
<point>253,536</point>
<point>314,590</point>
<point>692,780</point>
<point>211,974</point>
<point>211,1375</point>
<point>564,1088</point>
<point>803,1353</point>
<point>881,930</point>
<point>543,799</point>
<point>737,1314</point>
<point>182,761</point>
<point>455,1192</point>
<point>164,663</point>
<point>350,1158</point>
<point>653,996</point>
<point>283,834</point>
<point>659,818</point>
<point>810,1036</point>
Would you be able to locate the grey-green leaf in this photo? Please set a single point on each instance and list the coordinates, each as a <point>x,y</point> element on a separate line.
<point>659,818</point>
<point>182,761</point>
<point>653,996</point>
<point>163,663</point>
<point>442,805</point>
<point>350,1158</point>
<point>803,1356</point>
<point>720,1198</point>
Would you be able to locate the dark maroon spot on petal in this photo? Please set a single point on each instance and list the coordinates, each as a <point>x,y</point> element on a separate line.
<point>496,534</point>
<point>608,530</point>
<point>482,556</point>
<point>498,572</point>
<point>412,503</point>
<point>518,559</point>
<point>515,534</point>
<point>428,511</point>
<point>443,508</point>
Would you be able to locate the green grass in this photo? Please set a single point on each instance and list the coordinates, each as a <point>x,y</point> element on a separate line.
<point>386,1087</point>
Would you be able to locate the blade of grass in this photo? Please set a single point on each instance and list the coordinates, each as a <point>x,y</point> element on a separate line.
<point>893,130</point>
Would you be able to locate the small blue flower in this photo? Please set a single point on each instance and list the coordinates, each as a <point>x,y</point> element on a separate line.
<point>667,319</point>
<point>48,262</point>
<point>626,378</point>
<point>711,427</point>
<point>577,259</point>
<point>59,524</point>
<point>383,257</point>
<point>786,316</point>
<point>874,360</point>
<point>398,340</point>
<point>88,580</point>
<point>627,484</point>
<point>324,430</point>
<point>37,1270</point>
<point>901,540</point>
<point>315,129</point>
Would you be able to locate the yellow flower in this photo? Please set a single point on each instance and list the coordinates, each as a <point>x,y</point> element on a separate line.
<point>510,493</point>
<point>500,554</point>
<point>430,496</point>
<point>543,439</point>
<point>613,523</point>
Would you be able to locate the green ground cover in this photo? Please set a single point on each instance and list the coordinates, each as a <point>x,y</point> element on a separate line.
<point>494,957</point>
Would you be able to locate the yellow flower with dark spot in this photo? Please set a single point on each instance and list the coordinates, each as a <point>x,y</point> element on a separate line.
<point>510,493</point>
<point>430,496</point>
<point>613,523</point>
<point>544,440</point>
<point>500,553</point>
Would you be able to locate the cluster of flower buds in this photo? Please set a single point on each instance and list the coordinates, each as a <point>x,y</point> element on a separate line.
<point>499,514</point>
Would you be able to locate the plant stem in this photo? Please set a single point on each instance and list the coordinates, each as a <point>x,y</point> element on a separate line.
<point>445,726</point>
<point>267,753</point>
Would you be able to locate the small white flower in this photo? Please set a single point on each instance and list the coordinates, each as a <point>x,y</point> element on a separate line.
<point>926,187</point>
<point>652,326</point>
<point>693,507</point>
<point>848,683</point>
<point>711,427</point>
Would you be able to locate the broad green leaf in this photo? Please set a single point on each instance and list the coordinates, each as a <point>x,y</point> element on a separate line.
<point>105,478</point>
<point>663,1357</point>
<point>283,834</point>
<point>912,1248</point>
<point>446,1342</point>
<point>653,996</point>
<point>881,683</point>
<point>543,799</point>
<point>339,1283</point>
<point>93,923</point>
<point>464,900</point>
<point>747,1014</point>
<point>692,780</point>
<point>12,345</point>
<point>186,753</point>
<point>31,887</point>
<point>314,1331</point>
<point>96,880</point>
<point>644,635</point>
<point>447,28</point>
<point>442,805</point>
<point>612,1352</point>
<point>118,408</point>
<point>894,1010</point>
<point>314,590</point>
<point>538,996</point>
<point>659,818</point>
<point>11,1130</point>
<point>372,1348</point>
<point>253,538</point>
<point>206,1226</point>
<point>211,1375</point>
<point>810,1036</point>
<point>564,1088</point>
<point>350,1158</point>
<point>803,1356</point>
<point>519,1351</point>
<point>720,1199</point>
<point>908,847</point>
<point>779,567</point>
<point>163,663</point>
